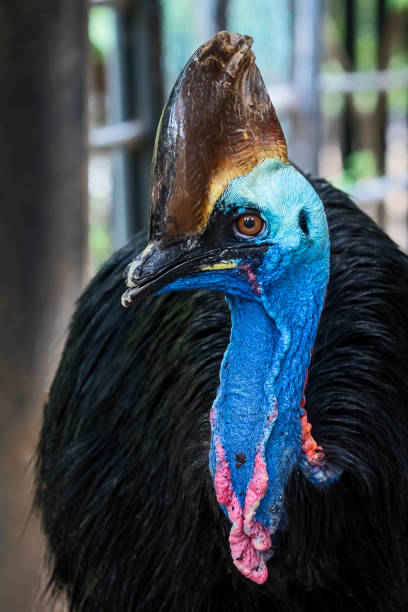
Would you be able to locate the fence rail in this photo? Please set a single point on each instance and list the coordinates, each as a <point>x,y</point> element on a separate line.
<point>122,135</point>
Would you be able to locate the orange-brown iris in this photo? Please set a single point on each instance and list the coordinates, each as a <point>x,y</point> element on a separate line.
<point>250,225</point>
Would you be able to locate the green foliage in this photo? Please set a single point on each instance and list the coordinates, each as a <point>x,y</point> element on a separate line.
<point>332,104</point>
<point>101,30</point>
<point>365,101</point>
<point>397,5</point>
<point>100,244</point>
<point>100,239</point>
<point>359,165</point>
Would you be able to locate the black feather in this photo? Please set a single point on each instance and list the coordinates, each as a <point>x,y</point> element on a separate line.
<point>123,483</point>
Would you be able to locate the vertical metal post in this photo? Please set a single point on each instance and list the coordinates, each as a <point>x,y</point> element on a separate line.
<point>145,102</point>
<point>349,44</point>
<point>117,84</point>
<point>43,239</point>
<point>306,68</point>
<point>221,14</point>
<point>381,111</point>
<point>140,96</point>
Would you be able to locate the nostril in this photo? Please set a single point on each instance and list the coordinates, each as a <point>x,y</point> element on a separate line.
<point>126,272</point>
<point>303,222</point>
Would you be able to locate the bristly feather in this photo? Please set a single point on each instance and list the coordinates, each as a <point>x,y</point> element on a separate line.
<point>123,483</point>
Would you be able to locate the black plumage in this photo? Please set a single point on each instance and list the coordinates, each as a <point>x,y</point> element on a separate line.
<point>123,484</point>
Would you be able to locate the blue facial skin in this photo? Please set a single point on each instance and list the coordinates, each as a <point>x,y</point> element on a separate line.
<point>274,324</point>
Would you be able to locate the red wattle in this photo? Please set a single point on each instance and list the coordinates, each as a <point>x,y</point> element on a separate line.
<point>310,449</point>
<point>249,539</point>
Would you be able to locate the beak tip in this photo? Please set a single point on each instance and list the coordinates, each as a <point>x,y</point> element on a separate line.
<point>126,298</point>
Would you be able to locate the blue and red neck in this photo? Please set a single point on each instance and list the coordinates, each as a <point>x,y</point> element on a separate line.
<point>257,425</point>
<point>275,290</point>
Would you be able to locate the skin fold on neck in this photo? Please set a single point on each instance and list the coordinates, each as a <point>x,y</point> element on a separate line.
<point>256,417</point>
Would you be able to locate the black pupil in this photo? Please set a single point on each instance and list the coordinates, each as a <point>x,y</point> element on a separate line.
<point>249,222</point>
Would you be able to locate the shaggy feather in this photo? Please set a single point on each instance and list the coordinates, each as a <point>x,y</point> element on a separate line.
<point>123,484</point>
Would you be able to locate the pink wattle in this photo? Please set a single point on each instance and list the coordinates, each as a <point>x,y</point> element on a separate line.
<point>249,539</point>
<point>313,453</point>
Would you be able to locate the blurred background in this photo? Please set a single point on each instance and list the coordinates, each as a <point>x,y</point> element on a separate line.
<point>82,88</point>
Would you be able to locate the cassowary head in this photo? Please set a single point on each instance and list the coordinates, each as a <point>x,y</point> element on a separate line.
<point>230,213</point>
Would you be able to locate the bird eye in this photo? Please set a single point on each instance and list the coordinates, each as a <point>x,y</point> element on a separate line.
<point>249,225</point>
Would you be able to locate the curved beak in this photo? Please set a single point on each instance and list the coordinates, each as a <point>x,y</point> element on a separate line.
<point>158,266</point>
<point>152,269</point>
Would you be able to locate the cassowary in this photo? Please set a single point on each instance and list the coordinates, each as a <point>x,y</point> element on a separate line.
<point>268,337</point>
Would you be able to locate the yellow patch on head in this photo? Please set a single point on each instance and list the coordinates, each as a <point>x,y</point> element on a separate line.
<point>222,265</point>
<point>234,168</point>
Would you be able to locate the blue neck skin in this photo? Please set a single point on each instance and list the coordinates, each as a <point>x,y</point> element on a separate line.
<point>263,373</point>
<point>275,305</point>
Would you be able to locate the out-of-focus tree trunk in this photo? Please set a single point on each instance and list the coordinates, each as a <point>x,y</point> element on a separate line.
<point>43,229</point>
